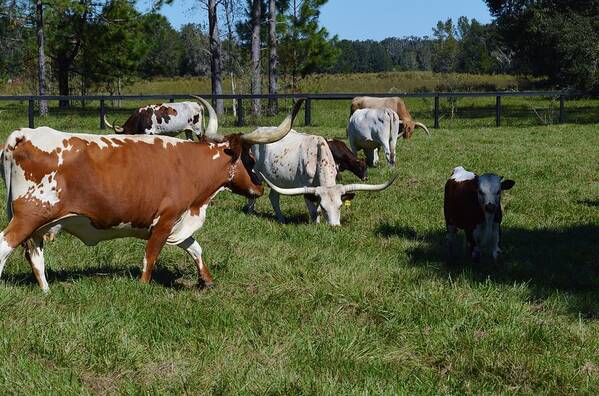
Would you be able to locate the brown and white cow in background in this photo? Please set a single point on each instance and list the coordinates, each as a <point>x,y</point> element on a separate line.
<point>473,204</point>
<point>394,103</point>
<point>169,119</point>
<point>93,187</point>
<point>346,160</point>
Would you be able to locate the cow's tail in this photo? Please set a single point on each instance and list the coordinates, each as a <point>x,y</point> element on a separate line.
<point>6,157</point>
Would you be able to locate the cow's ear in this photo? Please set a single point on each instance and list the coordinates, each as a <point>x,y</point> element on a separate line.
<point>507,184</point>
<point>347,197</point>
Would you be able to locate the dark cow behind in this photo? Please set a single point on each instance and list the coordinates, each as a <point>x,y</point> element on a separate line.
<point>473,204</point>
<point>346,160</point>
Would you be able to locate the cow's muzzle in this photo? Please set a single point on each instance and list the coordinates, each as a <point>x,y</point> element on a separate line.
<point>490,208</point>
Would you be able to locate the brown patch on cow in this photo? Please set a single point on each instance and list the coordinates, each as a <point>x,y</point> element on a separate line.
<point>164,113</point>
<point>345,159</point>
<point>461,205</point>
<point>35,163</point>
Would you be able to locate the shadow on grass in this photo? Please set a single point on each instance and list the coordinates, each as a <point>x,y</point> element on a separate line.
<point>549,260</point>
<point>162,276</point>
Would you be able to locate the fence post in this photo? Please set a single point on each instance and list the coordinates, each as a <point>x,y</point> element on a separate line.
<point>498,111</point>
<point>239,112</point>
<point>102,114</point>
<point>31,114</point>
<point>308,112</point>
<point>437,112</point>
<point>562,105</point>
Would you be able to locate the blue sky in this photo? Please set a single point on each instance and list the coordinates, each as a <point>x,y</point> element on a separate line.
<point>361,19</point>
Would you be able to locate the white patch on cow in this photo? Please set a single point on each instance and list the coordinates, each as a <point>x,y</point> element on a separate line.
<point>82,228</point>
<point>215,156</point>
<point>5,250</point>
<point>211,145</point>
<point>188,223</point>
<point>224,144</point>
<point>156,220</point>
<point>145,265</point>
<point>121,226</point>
<point>460,174</point>
<point>45,191</point>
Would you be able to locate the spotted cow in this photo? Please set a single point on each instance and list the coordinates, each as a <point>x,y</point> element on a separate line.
<point>105,187</point>
<point>168,119</point>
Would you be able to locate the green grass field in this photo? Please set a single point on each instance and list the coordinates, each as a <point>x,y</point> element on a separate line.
<point>368,308</point>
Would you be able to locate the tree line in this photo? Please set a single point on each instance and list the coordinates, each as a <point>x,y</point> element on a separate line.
<point>82,46</point>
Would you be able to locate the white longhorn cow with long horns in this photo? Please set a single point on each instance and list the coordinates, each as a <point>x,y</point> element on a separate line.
<point>301,164</point>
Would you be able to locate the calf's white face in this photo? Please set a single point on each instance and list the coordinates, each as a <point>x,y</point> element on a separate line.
<point>489,191</point>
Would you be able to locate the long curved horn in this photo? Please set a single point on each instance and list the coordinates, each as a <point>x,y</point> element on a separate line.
<point>212,128</point>
<point>289,191</point>
<point>115,127</point>
<point>270,135</point>
<point>421,125</point>
<point>368,187</point>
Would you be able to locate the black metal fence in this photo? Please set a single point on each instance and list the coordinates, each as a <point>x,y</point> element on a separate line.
<point>562,95</point>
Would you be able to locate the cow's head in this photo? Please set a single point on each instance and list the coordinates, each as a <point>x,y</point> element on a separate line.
<point>242,178</point>
<point>346,160</point>
<point>409,126</point>
<point>489,191</point>
<point>330,199</point>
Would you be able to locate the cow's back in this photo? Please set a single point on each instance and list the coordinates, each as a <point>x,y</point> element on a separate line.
<point>296,160</point>
<point>105,178</point>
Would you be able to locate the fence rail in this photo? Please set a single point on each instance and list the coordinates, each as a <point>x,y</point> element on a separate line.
<point>562,95</point>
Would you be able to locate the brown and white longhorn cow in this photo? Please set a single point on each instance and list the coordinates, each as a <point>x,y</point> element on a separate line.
<point>394,103</point>
<point>168,119</point>
<point>473,204</point>
<point>105,187</point>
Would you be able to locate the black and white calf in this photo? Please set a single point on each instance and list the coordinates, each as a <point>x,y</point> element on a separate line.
<point>473,204</point>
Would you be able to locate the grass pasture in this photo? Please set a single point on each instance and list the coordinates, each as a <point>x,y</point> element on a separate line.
<point>370,307</point>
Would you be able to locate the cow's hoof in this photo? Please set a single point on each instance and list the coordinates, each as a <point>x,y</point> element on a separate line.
<point>205,285</point>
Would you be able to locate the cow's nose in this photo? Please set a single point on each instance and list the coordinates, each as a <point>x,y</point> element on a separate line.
<point>490,207</point>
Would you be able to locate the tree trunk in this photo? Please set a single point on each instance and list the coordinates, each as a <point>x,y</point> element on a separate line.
<point>229,18</point>
<point>294,60</point>
<point>256,75</point>
<point>41,55</point>
<point>63,80</point>
<point>274,59</point>
<point>216,62</point>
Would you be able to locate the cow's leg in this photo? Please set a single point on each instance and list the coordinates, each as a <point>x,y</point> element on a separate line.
<point>389,154</point>
<point>34,253</point>
<point>314,210</point>
<point>13,235</point>
<point>496,242</point>
<point>194,249</point>
<point>375,157</point>
<point>249,206</point>
<point>473,249</point>
<point>154,246</point>
<point>274,201</point>
<point>370,153</point>
<point>451,238</point>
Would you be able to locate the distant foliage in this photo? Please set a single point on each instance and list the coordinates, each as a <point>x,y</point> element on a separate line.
<point>554,38</point>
